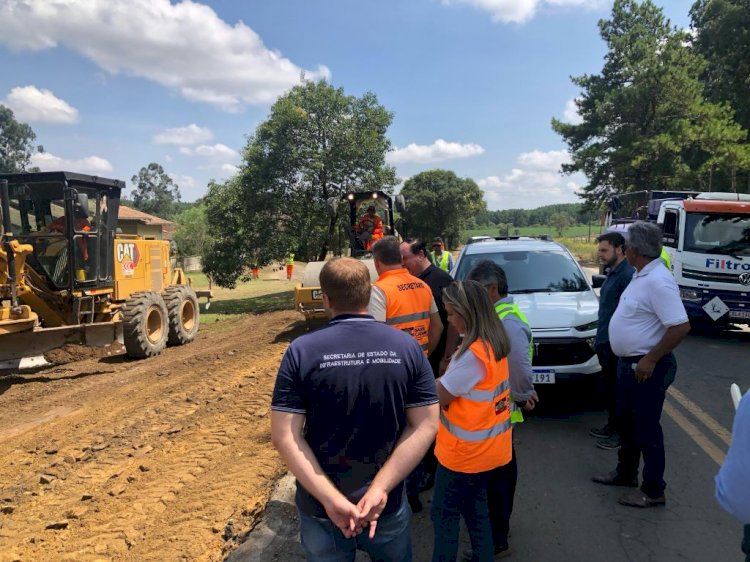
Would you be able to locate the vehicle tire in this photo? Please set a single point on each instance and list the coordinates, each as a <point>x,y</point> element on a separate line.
<point>183,314</point>
<point>144,324</point>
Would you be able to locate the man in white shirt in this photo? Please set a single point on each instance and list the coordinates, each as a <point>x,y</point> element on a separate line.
<point>650,321</point>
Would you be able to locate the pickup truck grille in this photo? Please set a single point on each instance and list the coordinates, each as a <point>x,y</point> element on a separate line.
<point>548,353</point>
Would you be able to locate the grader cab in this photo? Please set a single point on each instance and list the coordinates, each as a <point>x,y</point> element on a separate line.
<point>67,275</point>
<point>369,217</point>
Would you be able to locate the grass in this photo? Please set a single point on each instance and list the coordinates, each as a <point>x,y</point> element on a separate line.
<point>254,297</point>
<point>585,252</point>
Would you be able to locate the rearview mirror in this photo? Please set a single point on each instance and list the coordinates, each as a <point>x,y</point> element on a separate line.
<point>598,280</point>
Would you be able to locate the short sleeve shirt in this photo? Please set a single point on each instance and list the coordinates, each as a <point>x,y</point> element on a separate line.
<point>648,307</point>
<point>353,380</point>
<point>463,373</point>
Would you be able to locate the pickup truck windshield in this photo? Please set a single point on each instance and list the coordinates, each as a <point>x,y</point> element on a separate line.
<point>710,233</point>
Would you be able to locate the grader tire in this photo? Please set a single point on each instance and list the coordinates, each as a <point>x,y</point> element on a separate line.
<point>183,314</point>
<point>144,325</point>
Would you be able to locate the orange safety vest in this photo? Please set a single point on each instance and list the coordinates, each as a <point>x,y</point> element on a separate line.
<point>407,303</point>
<point>475,432</point>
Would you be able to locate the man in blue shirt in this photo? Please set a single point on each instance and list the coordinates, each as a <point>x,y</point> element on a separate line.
<point>612,255</point>
<point>353,411</point>
<point>733,480</point>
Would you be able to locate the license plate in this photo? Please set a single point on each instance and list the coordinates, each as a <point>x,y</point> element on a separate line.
<point>543,376</point>
<point>744,314</point>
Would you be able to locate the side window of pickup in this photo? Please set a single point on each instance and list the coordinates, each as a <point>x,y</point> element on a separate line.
<point>671,228</point>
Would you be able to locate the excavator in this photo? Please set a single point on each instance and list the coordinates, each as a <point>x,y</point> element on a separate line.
<point>68,274</point>
<point>308,298</point>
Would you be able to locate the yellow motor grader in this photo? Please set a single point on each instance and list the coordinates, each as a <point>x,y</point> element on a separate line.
<point>68,275</point>
<point>308,298</point>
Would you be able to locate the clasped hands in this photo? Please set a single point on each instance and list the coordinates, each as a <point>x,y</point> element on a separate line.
<point>352,519</point>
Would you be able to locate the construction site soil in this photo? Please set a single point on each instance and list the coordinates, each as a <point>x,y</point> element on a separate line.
<point>169,458</point>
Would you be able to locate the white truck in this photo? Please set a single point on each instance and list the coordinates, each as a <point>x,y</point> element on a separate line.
<point>707,238</point>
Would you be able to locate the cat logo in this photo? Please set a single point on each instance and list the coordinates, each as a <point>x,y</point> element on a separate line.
<point>128,255</point>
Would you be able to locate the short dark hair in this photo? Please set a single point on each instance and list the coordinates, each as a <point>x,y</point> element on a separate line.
<point>614,238</point>
<point>417,245</point>
<point>387,250</point>
<point>346,282</point>
<point>487,272</point>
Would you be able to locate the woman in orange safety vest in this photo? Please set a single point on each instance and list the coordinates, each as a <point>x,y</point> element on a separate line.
<point>474,436</point>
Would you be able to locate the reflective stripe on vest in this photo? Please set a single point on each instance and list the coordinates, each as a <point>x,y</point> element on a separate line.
<point>503,309</point>
<point>475,429</point>
<point>664,257</point>
<point>408,301</point>
<point>444,259</point>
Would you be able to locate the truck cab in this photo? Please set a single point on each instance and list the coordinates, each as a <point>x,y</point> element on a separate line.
<point>708,240</point>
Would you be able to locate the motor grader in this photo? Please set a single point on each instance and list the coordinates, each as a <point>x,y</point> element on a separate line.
<point>68,274</point>
<point>308,298</point>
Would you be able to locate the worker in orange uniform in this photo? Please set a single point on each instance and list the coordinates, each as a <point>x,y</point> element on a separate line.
<point>81,224</point>
<point>370,228</point>
<point>289,266</point>
<point>401,300</point>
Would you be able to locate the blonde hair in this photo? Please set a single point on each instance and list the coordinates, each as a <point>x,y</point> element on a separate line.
<point>470,300</point>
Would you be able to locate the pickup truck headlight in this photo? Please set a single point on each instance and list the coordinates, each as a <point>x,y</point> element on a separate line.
<point>690,295</point>
<point>586,327</point>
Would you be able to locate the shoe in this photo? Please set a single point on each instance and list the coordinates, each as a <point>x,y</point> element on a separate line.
<point>611,444</point>
<point>414,503</point>
<point>614,479</point>
<point>636,498</point>
<point>602,432</point>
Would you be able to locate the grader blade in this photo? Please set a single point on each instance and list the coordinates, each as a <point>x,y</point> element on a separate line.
<point>36,342</point>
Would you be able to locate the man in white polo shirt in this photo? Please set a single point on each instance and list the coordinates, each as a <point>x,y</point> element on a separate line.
<point>650,321</point>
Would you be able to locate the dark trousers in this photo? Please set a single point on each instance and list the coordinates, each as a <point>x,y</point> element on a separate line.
<point>639,406</point>
<point>746,543</point>
<point>500,492</point>
<point>608,362</point>
<point>457,495</point>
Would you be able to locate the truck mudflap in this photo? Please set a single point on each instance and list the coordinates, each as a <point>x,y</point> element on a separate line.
<point>31,343</point>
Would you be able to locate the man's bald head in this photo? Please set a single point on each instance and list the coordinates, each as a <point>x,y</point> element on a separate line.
<point>346,283</point>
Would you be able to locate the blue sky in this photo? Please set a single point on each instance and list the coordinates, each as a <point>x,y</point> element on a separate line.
<point>109,86</point>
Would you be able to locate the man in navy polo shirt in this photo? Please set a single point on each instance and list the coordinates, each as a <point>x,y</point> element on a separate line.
<point>354,410</point>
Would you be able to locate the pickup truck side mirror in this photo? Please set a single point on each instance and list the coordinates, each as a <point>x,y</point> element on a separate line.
<point>598,280</point>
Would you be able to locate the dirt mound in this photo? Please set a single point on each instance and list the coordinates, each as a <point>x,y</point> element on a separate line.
<point>168,458</point>
<point>71,352</point>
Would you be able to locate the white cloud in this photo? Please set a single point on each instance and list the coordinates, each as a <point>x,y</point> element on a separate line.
<point>210,151</point>
<point>168,158</point>
<point>30,104</point>
<point>93,165</point>
<point>183,46</point>
<point>437,151</point>
<point>520,11</point>
<point>184,136</point>
<point>535,182</point>
<point>570,114</point>
<point>229,169</point>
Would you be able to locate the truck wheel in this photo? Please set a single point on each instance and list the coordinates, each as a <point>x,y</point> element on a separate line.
<point>182,309</point>
<point>144,324</point>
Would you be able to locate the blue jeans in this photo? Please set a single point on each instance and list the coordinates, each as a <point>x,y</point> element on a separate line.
<point>459,494</point>
<point>323,541</point>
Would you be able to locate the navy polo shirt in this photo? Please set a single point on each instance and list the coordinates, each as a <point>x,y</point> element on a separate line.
<point>609,296</point>
<point>353,380</point>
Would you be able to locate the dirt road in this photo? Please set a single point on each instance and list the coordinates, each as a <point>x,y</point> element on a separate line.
<point>165,459</point>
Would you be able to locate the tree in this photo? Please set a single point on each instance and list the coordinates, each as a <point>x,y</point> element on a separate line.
<point>560,221</point>
<point>645,123</point>
<point>439,203</point>
<point>155,192</point>
<point>192,233</point>
<point>316,144</point>
<point>16,143</point>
